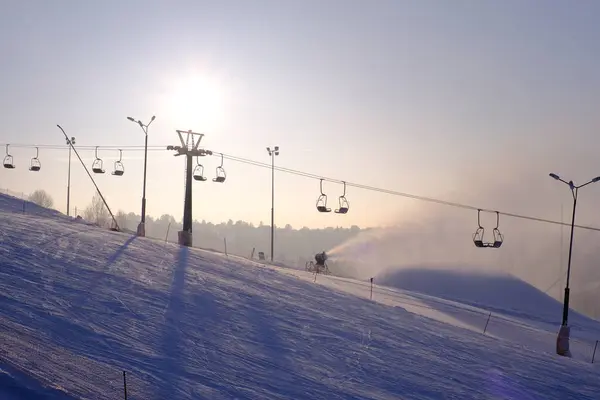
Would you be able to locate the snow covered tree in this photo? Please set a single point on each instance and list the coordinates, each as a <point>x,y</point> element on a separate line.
<point>122,219</point>
<point>41,198</point>
<point>97,212</point>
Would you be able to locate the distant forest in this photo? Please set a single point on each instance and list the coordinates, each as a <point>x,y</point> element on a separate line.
<point>292,246</point>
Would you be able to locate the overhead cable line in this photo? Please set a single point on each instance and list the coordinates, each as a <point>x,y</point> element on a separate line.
<point>333,180</point>
<point>63,147</point>
<point>402,194</point>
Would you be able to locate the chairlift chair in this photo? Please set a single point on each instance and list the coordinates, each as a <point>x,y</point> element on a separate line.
<point>220,178</point>
<point>199,171</point>
<point>8,160</point>
<point>119,168</point>
<point>322,200</point>
<point>478,236</point>
<point>498,237</point>
<point>97,165</point>
<point>344,205</point>
<point>36,165</point>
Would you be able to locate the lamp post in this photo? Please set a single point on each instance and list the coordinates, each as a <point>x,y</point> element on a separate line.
<point>562,341</point>
<point>141,229</point>
<point>69,143</point>
<point>273,152</point>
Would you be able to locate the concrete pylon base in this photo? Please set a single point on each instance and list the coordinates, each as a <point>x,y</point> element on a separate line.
<point>185,238</point>
<point>141,229</point>
<point>562,341</point>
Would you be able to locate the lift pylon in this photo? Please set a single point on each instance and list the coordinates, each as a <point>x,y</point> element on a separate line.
<point>189,148</point>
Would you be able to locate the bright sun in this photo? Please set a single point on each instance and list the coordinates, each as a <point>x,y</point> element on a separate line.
<point>198,102</point>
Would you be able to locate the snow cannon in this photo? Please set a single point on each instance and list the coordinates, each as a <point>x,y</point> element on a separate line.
<point>319,266</point>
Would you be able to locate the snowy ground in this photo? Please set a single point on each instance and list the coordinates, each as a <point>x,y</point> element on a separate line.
<point>79,305</point>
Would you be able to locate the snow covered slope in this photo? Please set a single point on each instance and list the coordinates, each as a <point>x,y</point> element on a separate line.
<point>78,305</point>
<point>502,306</point>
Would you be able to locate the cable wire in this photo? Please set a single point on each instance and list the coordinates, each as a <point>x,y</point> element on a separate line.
<point>82,147</point>
<point>402,194</point>
<point>319,177</point>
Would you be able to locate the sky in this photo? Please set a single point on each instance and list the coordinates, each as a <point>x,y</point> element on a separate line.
<point>467,101</point>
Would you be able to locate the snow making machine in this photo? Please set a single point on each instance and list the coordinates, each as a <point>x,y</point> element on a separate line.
<point>319,266</point>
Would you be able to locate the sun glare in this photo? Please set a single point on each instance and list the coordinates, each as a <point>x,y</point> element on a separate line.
<point>198,102</point>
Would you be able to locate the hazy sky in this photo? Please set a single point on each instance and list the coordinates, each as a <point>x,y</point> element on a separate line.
<point>474,101</point>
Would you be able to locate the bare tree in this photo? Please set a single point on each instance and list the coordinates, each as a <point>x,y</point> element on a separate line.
<point>41,198</point>
<point>121,218</point>
<point>97,212</point>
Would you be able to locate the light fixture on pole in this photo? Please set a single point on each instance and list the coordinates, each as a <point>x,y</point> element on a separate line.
<point>562,341</point>
<point>273,152</point>
<point>69,143</point>
<point>141,229</point>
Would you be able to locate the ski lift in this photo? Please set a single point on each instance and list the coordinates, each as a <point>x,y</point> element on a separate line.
<point>199,171</point>
<point>119,167</point>
<point>220,178</point>
<point>36,165</point>
<point>322,200</point>
<point>344,205</point>
<point>478,236</point>
<point>8,160</point>
<point>97,165</point>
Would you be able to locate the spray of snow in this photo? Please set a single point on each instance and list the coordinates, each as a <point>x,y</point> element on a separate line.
<point>438,237</point>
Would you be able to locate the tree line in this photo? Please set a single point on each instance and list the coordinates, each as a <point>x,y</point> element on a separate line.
<point>292,246</point>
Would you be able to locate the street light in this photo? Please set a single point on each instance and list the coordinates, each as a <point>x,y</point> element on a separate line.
<point>141,229</point>
<point>69,143</point>
<point>273,152</point>
<point>562,341</point>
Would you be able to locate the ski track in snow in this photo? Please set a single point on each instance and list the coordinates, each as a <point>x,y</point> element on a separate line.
<point>80,305</point>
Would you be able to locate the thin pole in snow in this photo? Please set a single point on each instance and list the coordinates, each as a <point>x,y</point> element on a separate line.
<point>594,354</point>
<point>125,385</point>
<point>167,235</point>
<point>487,322</point>
<point>371,297</point>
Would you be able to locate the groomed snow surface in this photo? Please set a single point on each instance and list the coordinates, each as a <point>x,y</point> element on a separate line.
<point>80,305</point>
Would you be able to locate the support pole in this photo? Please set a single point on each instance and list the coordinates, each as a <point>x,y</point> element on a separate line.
<point>272,206</point>
<point>486,323</point>
<point>371,297</point>
<point>272,153</point>
<point>125,385</point>
<point>141,229</point>
<point>116,224</point>
<point>565,318</point>
<point>594,353</point>
<point>143,222</point>
<point>69,184</point>
<point>562,339</point>
<point>167,235</point>
<point>185,235</point>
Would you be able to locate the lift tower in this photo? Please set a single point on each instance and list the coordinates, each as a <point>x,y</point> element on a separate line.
<point>189,148</point>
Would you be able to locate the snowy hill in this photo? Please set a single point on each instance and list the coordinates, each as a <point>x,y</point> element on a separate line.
<point>79,305</point>
<point>484,289</point>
